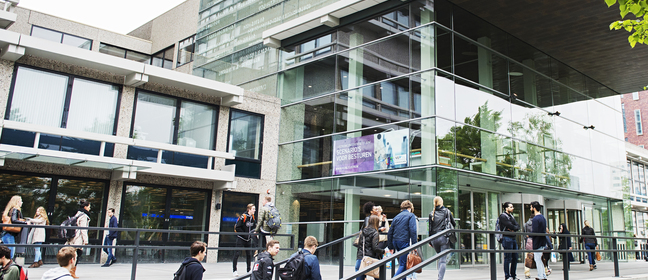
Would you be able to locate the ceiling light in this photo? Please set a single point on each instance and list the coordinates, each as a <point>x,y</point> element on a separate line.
<point>310,86</point>
<point>388,195</point>
<point>417,193</point>
<point>515,74</point>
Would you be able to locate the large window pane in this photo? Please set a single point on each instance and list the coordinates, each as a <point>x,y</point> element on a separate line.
<point>68,195</point>
<point>189,210</point>
<point>245,134</point>
<point>154,118</point>
<point>46,34</point>
<point>33,190</point>
<point>77,42</point>
<point>143,207</point>
<point>112,50</point>
<point>38,97</point>
<point>197,126</point>
<point>92,107</point>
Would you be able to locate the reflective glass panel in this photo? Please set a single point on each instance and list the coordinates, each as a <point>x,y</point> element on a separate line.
<point>154,118</point>
<point>245,135</point>
<point>38,97</point>
<point>197,127</point>
<point>92,107</point>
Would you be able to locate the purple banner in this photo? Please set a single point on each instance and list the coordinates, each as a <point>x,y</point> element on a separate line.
<point>353,155</point>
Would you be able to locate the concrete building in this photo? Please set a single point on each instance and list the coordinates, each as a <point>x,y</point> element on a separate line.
<point>323,105</point>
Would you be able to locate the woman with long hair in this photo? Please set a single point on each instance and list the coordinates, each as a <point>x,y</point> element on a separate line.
<point>383,228</point>
<point>37,235</point>
<point>81,236</point>
<point>590,244</point>
<point>565,244</point>
<point>437,224</point>
<point>15,215</point>
<point>368,246</point>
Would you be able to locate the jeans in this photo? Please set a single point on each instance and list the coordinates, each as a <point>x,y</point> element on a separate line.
<point>510,259</point>
<point>109,242</point>
<point>248,253</point>
<point>8,238</point>
<point>441,244</point>
<point>357,267</point>
<point>591,255</point>
<point>537,256</point>
<point>37,252</point>
<point>402,260</point>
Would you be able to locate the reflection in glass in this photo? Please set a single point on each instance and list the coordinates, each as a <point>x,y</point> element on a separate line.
<point>92,107</point>
<point>143,207</point>
<point>245,135</point>
<point>38,97</point>
<point>154,118</point>
<point>189,210</point>
<point>197,126</point>
<point>68,195</point>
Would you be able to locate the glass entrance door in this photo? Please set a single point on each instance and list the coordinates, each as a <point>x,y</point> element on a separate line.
<point>473,214</point>
<point>234,204</point>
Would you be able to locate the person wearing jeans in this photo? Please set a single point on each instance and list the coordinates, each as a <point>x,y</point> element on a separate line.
<point>539,225</point>
<point>590,244</point>
<point>508,224</point>
<point>110,238</point>
<point>402,232</point>
<point>436,224</point>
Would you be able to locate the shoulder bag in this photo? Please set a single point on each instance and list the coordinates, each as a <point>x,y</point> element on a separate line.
<point>367,261</point>
<point>7,220</point>
<point>413,258</point>
<point>452,236</point>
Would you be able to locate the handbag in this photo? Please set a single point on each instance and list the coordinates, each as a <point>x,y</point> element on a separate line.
<point>529,261</point>
<point>367,261</point>
<point>598,256</point>
<point>452,236</point>
<point>7,220</point>
<point>414,258</point>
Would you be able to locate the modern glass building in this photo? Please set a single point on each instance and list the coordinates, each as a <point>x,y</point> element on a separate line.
<point>413,99</point>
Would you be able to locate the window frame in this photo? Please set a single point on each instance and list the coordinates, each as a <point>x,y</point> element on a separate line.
<point>638,124</point>
<point>63,34</point>
<point>176,122</point>
<point>181,48</point>
<point>237,158</point>
<point>635,95</point>
<point>163,57</point>
<point>68,93</point>
<point>125,52</point>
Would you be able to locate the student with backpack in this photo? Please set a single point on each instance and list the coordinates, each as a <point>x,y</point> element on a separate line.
<point>264,266</point>
<point>191,268</point>
<point>10,270</point>
<point>82,217</point>
<point>246,223</point>
<point>507,223</point>
<point>303,265</point>
<point>269,221</point>
<point>66,257</point>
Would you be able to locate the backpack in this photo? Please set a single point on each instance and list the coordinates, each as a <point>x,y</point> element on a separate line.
<point>180,274</point>
<point>69,222</point>
<point>21,272</point>
<point>498,236</point>
<point>294,268</point>
<point>274,221</point>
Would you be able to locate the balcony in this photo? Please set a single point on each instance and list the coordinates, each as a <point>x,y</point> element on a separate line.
<point>7,14</point>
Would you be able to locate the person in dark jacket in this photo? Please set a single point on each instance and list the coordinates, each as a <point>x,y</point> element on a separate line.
<point>437,223</point>
<point>311,263</point>
<point>264,266</point>
<point>246,223</point>
<point>565,243</point>
<point>110,238</point>
<point>367,208</point>
<point>590,244</point>
<point>13,212</point>
<point>402,232</point>
<point>507,223</point>
<point>539,225</point>
<point>194,269</point>
<point>368,246</point>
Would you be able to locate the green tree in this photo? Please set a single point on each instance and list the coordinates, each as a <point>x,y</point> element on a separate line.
<point>638,26</point>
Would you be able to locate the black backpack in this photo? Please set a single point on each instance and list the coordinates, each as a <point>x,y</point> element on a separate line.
<point>180,274</point>
<point>69,222</point>
<point>294,268</point>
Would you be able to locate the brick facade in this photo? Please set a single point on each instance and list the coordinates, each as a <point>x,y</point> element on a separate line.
<point>629,106</point>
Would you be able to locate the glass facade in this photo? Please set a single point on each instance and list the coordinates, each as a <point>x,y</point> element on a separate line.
<point>60,37</point>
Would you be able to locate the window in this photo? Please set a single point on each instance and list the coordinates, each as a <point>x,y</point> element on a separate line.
<point>625,127</point>
<point>310,49</point>
<point>171,120</point>
<point>163,58</point>
<point>61,37</point>
<point>124,53</point>
<point>186,49</point>
<point>638,121</point>
<point>39,97</point>
<point>635,95</point>
<point>245,141</point>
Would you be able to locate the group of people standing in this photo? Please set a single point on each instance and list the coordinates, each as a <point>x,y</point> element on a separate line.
<point>13,214</point>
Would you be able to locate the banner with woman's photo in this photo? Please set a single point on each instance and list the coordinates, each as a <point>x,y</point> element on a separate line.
<point>386,150</point>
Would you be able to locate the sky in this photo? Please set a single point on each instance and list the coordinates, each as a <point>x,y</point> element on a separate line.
<point>121,16</point>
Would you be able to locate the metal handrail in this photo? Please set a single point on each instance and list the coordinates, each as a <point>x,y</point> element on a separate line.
<point>136,246</point>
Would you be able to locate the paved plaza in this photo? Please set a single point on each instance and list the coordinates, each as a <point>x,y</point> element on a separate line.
<point>636,270</point>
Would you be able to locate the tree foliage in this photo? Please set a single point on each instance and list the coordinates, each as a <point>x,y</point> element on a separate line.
<point>638,26</point>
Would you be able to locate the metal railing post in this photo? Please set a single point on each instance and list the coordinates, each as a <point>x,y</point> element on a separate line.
<point>135,253</point>
<point>383,272</point>
<point>341,261</point>
<point>493,261</point>
<point>393,268</point>
<point>566,265</point>
<point>615,256</point>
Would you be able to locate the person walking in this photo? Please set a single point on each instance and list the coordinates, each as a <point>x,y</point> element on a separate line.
<point>507,224</point>
<point>368,209</point>
<point>590,244</point>
<point>193,266</point>
<point>539,225</point>
<point>565,244</point>
<point>81,235</point>
<point>368,247</point>
<point>528,245</point>
<point>12,213</point>
<point>311,263</point>
<point>437,223</point>
<point>383,228</point>
<point>37,235</point>
<point>66,257</point>
<point>262,228</point>
<point>402,233</point>
<point>246,223</point>
<point>264,266</point>
<point>109,240</point>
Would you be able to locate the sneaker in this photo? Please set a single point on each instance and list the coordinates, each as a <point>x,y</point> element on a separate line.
<point>527,277</point>
<point>105,265</point>
<point>510,278</point>
<point>235,274</point>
